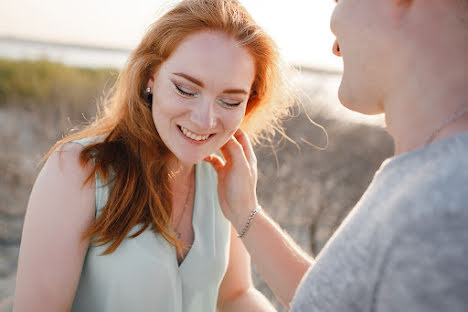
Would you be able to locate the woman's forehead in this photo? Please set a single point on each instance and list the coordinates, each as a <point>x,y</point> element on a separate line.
<point>212,57</point>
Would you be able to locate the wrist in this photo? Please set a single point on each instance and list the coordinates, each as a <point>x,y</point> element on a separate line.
<point>244,224</point>
<point>238,213</point>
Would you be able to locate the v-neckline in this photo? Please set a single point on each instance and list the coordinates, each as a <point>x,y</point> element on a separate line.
<point>193,223</point>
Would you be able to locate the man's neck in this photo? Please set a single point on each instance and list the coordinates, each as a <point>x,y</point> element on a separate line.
<point>429,85</point>
<point>418,120</point>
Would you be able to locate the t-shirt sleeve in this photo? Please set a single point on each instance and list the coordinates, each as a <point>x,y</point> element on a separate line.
<point>426,267</point>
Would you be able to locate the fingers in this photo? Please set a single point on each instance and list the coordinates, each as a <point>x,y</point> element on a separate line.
<point>233,151</point>
<point>216,162</point>
<point>243,139</point>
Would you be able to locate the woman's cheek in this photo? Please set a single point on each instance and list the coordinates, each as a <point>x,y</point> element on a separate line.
<point>232,122</point>
<point>237,119</point>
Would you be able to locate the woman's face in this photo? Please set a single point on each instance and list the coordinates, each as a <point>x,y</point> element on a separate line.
<point>200,94</point>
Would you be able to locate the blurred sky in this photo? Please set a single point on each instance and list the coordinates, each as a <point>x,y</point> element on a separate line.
<point>300,27</point>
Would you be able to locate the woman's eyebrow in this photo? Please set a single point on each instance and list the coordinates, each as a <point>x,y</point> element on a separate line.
<point>190,78</point>
<point>242,91</point>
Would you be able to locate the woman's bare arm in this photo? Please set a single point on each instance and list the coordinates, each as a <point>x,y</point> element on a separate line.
<point>51,255</point>
<point>280,261</point>
<point>237,292</point>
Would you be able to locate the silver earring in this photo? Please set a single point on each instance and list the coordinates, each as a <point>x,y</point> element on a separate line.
<point>149,97</point>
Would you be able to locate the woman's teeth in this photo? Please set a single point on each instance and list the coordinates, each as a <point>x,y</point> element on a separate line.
<point>194,136</point>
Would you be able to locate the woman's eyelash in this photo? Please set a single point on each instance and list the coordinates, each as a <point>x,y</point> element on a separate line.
<point>185,93</point>
<point>231,104</point>
<point>190,94</point>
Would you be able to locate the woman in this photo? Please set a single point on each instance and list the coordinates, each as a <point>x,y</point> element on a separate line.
<point>124,215</point>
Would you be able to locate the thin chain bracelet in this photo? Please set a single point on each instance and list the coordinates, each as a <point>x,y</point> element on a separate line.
<point>249,221</point>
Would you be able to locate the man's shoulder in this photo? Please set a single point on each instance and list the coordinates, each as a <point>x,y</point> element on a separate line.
<point>423,223</point>
<point>425,267</point>
<point>429,183</point>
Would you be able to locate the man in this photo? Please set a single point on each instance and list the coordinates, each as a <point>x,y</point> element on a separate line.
<point>404,247</point>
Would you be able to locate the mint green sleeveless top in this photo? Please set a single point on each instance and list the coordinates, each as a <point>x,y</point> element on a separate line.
<point>142,274</point>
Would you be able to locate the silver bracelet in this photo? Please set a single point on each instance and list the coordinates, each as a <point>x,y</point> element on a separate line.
<point>249,221</point>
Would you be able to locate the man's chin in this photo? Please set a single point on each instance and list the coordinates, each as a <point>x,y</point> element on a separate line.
<point>359,104</point>
<point>369,110</point>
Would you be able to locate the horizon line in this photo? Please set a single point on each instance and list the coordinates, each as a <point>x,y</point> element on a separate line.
<point>299,67</point>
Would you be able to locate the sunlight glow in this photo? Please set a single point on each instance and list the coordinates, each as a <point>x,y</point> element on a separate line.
<point>301,28</point>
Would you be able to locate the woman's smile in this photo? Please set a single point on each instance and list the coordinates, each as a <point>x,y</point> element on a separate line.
<point>194,136</point>
<point>200,94</point>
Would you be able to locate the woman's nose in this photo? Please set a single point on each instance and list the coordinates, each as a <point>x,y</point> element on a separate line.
<point>203,115</point>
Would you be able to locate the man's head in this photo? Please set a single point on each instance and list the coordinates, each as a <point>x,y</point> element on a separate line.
<point>382,41</point>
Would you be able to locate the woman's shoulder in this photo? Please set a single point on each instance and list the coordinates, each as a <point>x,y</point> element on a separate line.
<point>64,173</point>
<point>60,210</point>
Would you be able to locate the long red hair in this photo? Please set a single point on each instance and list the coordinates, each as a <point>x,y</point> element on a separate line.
<point>131,155</point>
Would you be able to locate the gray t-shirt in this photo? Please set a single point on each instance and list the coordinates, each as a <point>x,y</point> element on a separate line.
<point>404,247</point>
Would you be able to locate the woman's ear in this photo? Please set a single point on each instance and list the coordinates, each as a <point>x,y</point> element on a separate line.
<point>149,91</point>
<point>150,82</point>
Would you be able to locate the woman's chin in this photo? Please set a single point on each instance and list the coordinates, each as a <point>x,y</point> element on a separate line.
<point>190,161</point>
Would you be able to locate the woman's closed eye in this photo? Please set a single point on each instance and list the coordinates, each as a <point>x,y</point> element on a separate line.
<point>182,91</point>
<point>230,103</point>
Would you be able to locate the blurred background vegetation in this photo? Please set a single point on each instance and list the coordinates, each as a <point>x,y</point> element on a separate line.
<point>27,83</point>
<point>307,190</point>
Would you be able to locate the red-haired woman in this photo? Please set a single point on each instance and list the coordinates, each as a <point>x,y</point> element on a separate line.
<point>124,215</point>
